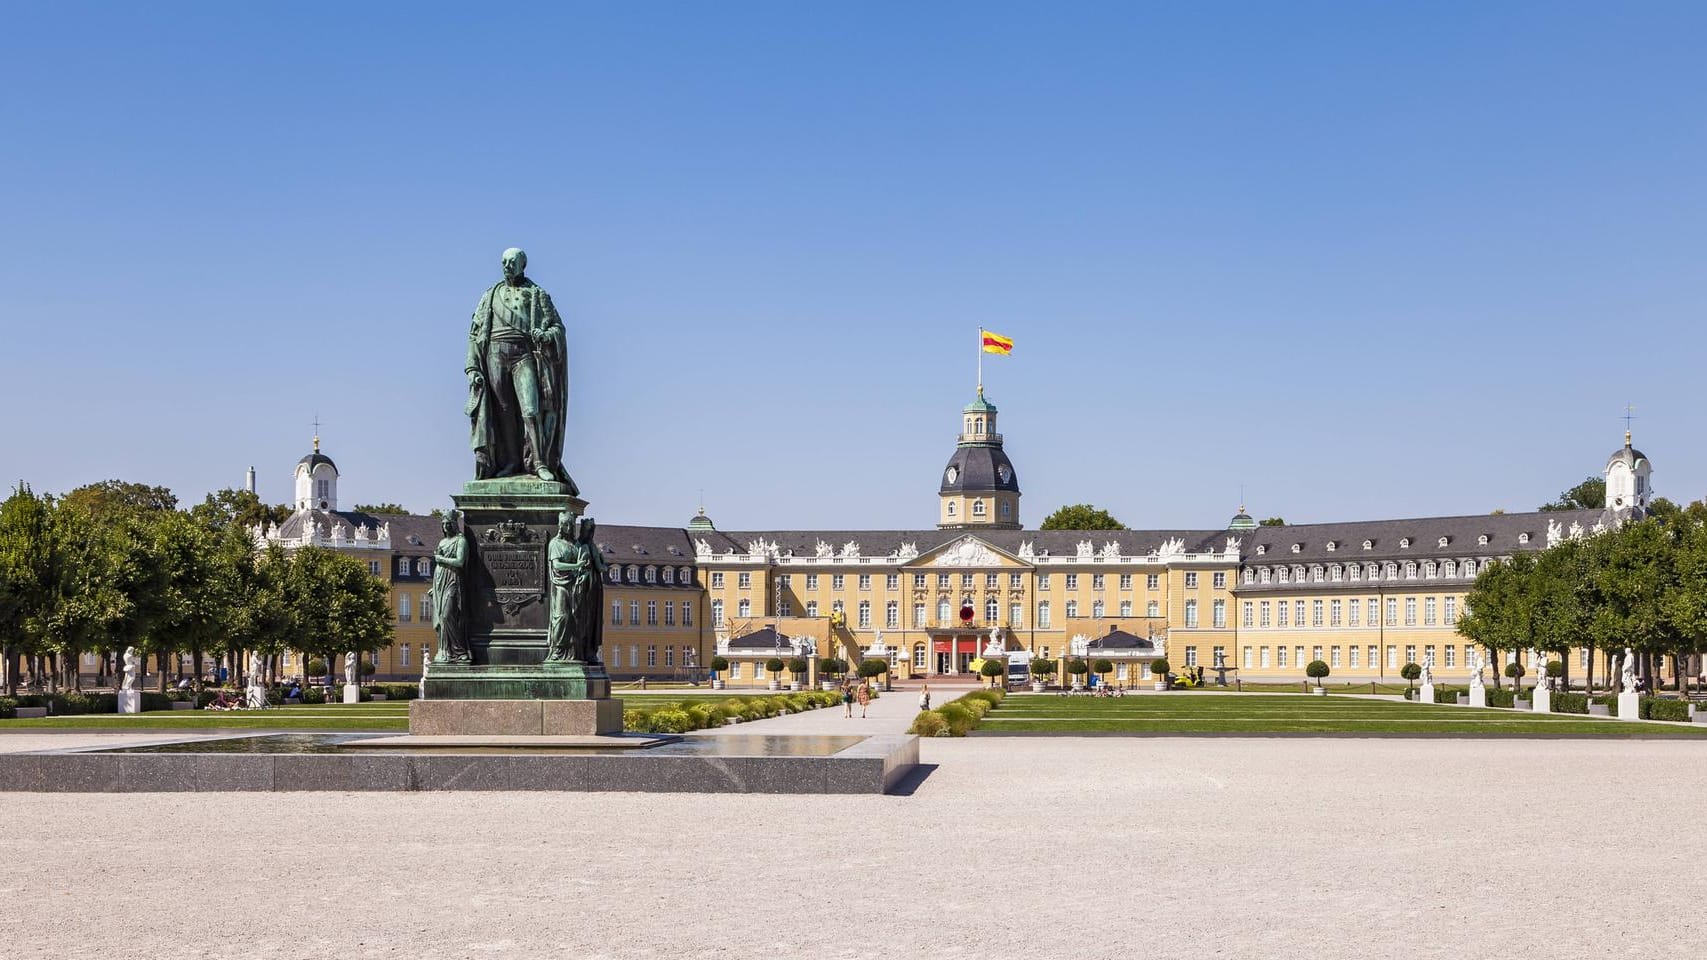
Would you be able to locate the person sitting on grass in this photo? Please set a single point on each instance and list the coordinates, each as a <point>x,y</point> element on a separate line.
<point>219,702</point>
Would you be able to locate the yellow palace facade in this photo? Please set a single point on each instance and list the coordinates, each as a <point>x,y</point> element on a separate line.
<point>1260,602</point>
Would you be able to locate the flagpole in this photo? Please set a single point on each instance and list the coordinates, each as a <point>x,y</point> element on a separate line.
<point>980,361</point>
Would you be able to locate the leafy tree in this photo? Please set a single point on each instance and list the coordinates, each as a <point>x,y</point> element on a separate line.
<point>383,509</point>
<point>1316,670</point>
<point>1081,516</point>
<point>1515,671</point>
<point>1409,673</point>
<point>1159,668</point>
<point>26,576</point>
<point>1042,670</point>
<point>774,667</point>
<point>1590,494</point>
<point>238,508</point>
<point>335,605</point>
<point>874,667</point>
<point>110,497</point>
<point>797,666</point>
<point>1103,667</point>
<point>1272,522</point>
<point>718,665</point>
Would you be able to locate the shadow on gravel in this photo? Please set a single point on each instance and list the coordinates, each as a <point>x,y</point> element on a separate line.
<point>906,786</point>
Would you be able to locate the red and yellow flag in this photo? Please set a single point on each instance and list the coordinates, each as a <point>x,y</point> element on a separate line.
<point>996,343</point>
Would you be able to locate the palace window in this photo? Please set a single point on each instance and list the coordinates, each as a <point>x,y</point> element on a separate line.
<point>918,581</point>
<point>1191,613</point>
<point>1191,656</point>
<point>743,580</point>
<point>1352,619</point>
<point>951,510</point>
<point>1392,657</point>
<point>1043,615</point>
<point>1283,611</point>
<point>1452,656</point>
<point>1263,607</point>
<point>1392,570</point>
<point>1245,658</point>
<point>735,670</point>
<point>1410,653</point>
<point>1219,580</point>
<point>1126,608</point>
<point>651,574</point>
<point>1428,611</point>
<point>892,581</point>
<point>651,613</point>
<point>1316,573</point>
<point>716,613</point>
<point>942,581</point>
<point>812,581</point>
<point>865,581</point>
<point>942,611</point>
<point>1016,581</point>
<point>1354,572</point>
<point>1315,653</point>
<point>892,615</point>
<point>685,576</point>
<point>1191,580</point>
<point>1482,540</point>
<point>1097,582</point>
<point>1016,615</point>
<point>784,581</point>
<point>1248,576</point>
<point>403,566</point>
<point>977,508</point>
<point>1335,654</point>
<point>670,575</point>
<point>1299,651</point>
<point>918,615</point>
<point>865,613</point>
<point>403,608</point>
<point>669,656</point>
<point>687,613</point>
<point>1451,610</point>
<point>992,610</point>
<point>1096,608</point>
<point>744,608</point>
<point>670,613</point>
<point>838,582</point>
<point>1266,575</point>
<point>1404,543</point>
<point>1247,616</point>
<point>616,613</point>
<point>1298,614</point>
<point>1152,608</point>
<point>836,606</point>
<point>1152,581</point>
<point>651,655</point>
<point>717,580</point>
<point>966,581</point>
<point>1264,654</point>
<point>1332,546</point>
<point>1392,612</point>
<point>1126,581</point>
<point>1523,538</point>
<point>1280,656</point>
<point>1072,609</point>
<point>1352,655</point>
<point>1218,614</point>
<point>1410,569</point>
<point>403,655</point>
<point>784,607</point>
<point>1410,611</point>
<point>811,608</point>
<point>1333,613</point>
<point>1368,544</point>
<point>1072,581</point>
<point>918,656</point>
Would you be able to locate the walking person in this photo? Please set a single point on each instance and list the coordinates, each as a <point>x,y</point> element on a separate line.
<point>864,698</point>
<point>925,696</point>
<point>847,699</point>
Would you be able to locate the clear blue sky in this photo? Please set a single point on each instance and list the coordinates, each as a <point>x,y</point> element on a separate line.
<point>1367,260</point>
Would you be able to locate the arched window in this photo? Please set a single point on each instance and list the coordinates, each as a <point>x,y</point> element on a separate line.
<point>992,610</point>
<point>1448,569</point>
<point>1410,569</point>
<point>951,508</point>
<point>633,573</point>
<point>651,574</point>
<point>1043,615</point>
<point>669,574</point>
<point>977,508</point>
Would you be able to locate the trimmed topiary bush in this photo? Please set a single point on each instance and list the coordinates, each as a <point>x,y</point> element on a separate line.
<point>929,723</point>
<point>1659,708</point>
<point>1159,667</point>
<point>1500,697</point>
<point>1316,670</point>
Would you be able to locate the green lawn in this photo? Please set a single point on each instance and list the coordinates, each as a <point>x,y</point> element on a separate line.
<point>338,717</point>
<point>1181,713</point>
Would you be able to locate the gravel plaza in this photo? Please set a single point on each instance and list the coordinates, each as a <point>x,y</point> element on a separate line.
<point>1087,847</point>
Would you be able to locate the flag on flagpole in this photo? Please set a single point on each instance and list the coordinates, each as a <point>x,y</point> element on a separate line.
<point>996,343</point>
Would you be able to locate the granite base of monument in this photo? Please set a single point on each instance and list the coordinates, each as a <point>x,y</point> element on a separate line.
<point>1630,706</point>
<point>1543,700</point>
<point>130,701</point>
<point>515,718</point>
<point>1478,696</point>
<point>516,681</point>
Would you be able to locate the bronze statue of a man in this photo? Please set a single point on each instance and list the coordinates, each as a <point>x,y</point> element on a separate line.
<point>450,622</point>
<point>518,380</point>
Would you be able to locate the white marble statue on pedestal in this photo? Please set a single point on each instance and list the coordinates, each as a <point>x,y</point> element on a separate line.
<point>1629,701</point>
<point>995,647</point>
<point>1627,672</point>
<point>1478,693</point>
<point>352,691</point>
<point>1428,668</point>
<point>255,695</point>
<point>130,698</point>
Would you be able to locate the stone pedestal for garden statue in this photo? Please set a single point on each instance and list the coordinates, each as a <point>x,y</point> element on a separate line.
<point>352,693</point>
<point>1478,695</point>
<point>130,701</point>
<point>1630,705</point>
<point>1542,698</point>
<point>1425,693</point>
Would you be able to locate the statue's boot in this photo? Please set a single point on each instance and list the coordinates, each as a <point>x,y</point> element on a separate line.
<point>531,426</point>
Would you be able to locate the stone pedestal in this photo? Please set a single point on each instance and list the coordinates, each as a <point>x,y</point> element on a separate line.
<point>1543,700</point>
<point>1629,706</point>
<point>1478,696</point>
<point>352,693</point>
<point>1425,693</point>
<point>130,701</point>
<point>515,718</point>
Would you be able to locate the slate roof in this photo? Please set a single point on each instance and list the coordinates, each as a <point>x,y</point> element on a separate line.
<point>1120,640</point>
<point>978,469</point>
<point>661,545</point>
<point>1462,535</point>
<point>1054,543</point>
<point>315,459</point>
<point>765,639</point>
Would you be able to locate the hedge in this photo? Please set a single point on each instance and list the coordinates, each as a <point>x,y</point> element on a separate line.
<point>1500,697</point>
<point>1659,708</point>
<point>684,716</point>
<point>1562,702</point>
<point>957,717</point>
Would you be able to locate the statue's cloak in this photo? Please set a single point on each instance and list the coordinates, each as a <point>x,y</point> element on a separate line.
<point>551,363</point>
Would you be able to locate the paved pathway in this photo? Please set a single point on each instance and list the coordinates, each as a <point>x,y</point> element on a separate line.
<point>893,712</point>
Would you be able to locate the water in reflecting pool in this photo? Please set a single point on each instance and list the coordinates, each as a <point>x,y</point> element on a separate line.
<point>691,746</point>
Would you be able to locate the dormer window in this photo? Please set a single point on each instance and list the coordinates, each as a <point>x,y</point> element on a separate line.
<point>1404,543</point>
<point>1523,538</point>
<point>1368,544</point>
<point>1297,547</point>
<point>1482,540</point>
<point>1332,546</point>
<point>1262,548</point>
<point>1444,541</point>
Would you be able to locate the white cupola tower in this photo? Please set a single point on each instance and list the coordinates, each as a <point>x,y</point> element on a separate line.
<point>1628,489</point>
<point>316,481</point>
